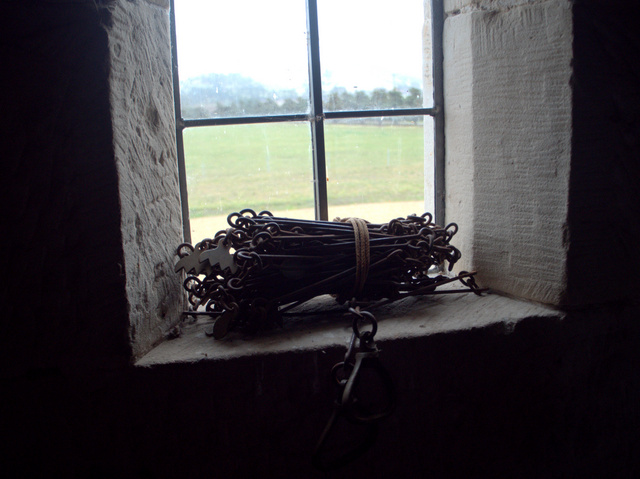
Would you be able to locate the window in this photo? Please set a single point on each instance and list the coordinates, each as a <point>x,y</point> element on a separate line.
<point>302,107</point>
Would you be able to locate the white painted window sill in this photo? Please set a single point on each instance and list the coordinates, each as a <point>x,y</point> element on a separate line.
<point>409,318</point>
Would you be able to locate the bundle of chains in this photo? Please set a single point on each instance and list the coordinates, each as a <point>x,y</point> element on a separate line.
<point>252,273</point>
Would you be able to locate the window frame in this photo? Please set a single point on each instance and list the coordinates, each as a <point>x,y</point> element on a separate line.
<point>317,116</point>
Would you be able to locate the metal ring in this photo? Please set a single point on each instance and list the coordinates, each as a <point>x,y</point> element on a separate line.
<point>336,368</point>
<point>187,246</point>
<point>248,210</point>
<point>362,315</point>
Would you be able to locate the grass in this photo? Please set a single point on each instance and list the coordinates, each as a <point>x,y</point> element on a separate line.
<point>268,166</point>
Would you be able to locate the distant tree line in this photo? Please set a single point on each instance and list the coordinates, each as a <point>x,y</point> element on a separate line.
<point>342,99</point>
<point>217,95</point>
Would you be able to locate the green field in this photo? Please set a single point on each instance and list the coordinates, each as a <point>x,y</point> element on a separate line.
<point>268,166</point>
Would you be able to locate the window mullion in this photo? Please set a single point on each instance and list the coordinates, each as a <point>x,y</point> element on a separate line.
<point>332,115</point>
<point>437,26</point>
<point>317,114</point>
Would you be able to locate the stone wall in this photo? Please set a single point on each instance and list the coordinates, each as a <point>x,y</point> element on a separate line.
<point>508,138</point>
<point>142,110</point>
<point>63,261</point>
<point>542,162</point>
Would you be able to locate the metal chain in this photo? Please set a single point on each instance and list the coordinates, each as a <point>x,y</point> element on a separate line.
<point>362,354</point>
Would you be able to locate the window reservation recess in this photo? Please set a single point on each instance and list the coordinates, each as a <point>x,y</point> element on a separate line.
<point>251,138</point>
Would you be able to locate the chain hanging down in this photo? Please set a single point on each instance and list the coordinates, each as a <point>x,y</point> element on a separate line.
<point>355,404</point>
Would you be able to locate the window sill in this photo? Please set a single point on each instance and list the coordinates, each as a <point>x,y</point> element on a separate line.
<point>409,318</point>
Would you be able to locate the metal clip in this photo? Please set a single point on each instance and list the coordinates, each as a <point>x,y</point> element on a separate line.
<point>366,357</point>
<point>362,355</point>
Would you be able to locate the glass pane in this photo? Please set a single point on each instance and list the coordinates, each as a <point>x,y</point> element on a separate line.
<point>372,54</point>
<point>376,167</point>
<point>242,58</point>
<point>261,166</point>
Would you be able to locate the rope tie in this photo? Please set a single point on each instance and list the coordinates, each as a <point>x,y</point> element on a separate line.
<point>363,252</point>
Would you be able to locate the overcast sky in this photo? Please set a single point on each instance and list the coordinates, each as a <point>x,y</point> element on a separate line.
<point>364,43</point>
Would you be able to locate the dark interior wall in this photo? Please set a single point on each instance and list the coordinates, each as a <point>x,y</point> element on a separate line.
<point>63,292</point>
<point>549,399</point>
<point>605,167</point>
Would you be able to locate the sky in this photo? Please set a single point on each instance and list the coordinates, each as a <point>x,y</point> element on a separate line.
<point>364,44</point>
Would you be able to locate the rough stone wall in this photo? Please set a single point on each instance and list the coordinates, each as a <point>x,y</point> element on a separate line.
<point>508,108</point>
<point>145,151</point>
<point>89,144</point>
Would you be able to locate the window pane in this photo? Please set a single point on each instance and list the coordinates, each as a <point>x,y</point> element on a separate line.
<point>372,54</point>
<point>262,167</point>
<point>242,58</point>
<point>375,168</point>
